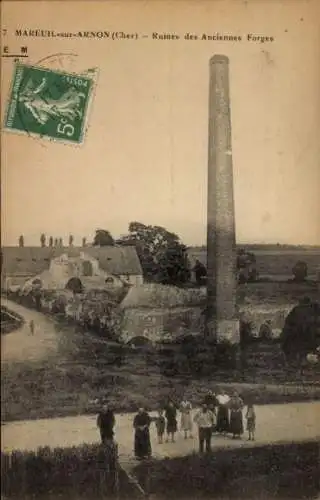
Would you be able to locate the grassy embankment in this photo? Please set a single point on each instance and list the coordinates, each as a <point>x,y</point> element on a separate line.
<point>266,472</point>
<point>89,471</point>
<point>86,367</point>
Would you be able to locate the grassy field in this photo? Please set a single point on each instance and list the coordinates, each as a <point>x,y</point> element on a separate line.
<point>273,261</point>
<point>269,472</point>
<point>86,368</point>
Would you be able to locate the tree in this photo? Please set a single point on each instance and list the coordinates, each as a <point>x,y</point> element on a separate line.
<point>21,241</point>
<point>71,239</point>
<point>200,272</point>
<point>103,238</point>
<point>43,240</point>
<point>84,242</point>
<point>60,242</point>
<point>300,271</point>
<point>246,266</point>
<point>56,242</point>
<point>51,241</point>
<point>174,268</point>
<point>301,331</point>
<point>162,255</point>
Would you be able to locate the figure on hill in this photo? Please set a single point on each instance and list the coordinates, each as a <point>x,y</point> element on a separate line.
<point>31,327</point>
<point>171,416</point>
<point>186,418</point>
<point>236,419</point>
<point>223,412</point>
<point>142,443</point>
<point>106,422</point>
<point>251,421</point>
<point>43,240</point>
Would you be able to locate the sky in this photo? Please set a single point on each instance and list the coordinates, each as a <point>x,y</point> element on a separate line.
<point>144,157</point>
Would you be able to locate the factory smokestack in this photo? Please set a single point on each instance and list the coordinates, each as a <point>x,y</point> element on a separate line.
<point>222,322</point>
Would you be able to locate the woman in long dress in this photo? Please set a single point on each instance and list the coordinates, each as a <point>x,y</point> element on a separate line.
<point>142,444</point>
<point>186,418</point>
<point>223,412</point>
<point>236,419</point>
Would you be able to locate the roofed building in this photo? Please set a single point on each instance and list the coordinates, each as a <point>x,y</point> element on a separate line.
<point>19,264</point>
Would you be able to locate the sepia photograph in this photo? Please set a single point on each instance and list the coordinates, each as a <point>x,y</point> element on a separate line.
<point>160,250</point>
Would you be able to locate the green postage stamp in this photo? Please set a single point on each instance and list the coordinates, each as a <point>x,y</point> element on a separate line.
<point>48,103</point>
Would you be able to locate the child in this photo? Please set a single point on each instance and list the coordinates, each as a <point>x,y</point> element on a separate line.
<point>160,425</point>
<point>31,326</point>
<point>251,421</point>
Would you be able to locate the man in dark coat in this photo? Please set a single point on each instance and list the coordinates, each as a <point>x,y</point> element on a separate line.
<point>142,443</point>
<point>106,423</point>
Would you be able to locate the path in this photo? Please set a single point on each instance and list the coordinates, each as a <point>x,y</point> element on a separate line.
<point>275,424</point>
<point>19,345</point>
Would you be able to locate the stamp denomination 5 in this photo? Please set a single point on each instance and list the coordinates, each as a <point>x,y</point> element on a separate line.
<point>48,103</point>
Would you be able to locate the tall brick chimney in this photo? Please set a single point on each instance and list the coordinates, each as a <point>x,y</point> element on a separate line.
<point>222,322</point>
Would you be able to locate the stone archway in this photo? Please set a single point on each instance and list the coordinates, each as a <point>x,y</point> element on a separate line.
<point>75,285</point>
<point>139,341</point>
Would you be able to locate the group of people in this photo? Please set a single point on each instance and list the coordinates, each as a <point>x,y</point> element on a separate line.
<point>219,413</point>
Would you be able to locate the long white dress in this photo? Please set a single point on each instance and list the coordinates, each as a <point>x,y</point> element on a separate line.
<point>186,416</point>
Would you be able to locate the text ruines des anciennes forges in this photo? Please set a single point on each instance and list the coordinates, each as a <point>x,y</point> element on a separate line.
<point>122,35</point>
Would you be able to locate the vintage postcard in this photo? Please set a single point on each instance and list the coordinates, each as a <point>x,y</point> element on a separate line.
<point>160,258</point>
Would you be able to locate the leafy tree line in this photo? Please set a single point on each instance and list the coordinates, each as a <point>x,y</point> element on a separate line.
<point>164,256</point>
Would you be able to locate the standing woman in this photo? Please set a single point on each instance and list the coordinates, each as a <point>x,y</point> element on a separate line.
<point>142,444</point>
<point>186,418</point>
<point>171,416</point>
<point>223,412</point>
<point>236,419</point>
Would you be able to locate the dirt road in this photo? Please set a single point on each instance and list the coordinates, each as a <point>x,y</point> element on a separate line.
<point>20,345</point>
<point>275,424</point>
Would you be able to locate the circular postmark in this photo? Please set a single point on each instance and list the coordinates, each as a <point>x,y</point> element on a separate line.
<point>52,98</point>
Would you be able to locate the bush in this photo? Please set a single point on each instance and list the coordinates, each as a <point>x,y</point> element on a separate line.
<point>300,271</point>
<point>301,331</point>
<point>53,470</point>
